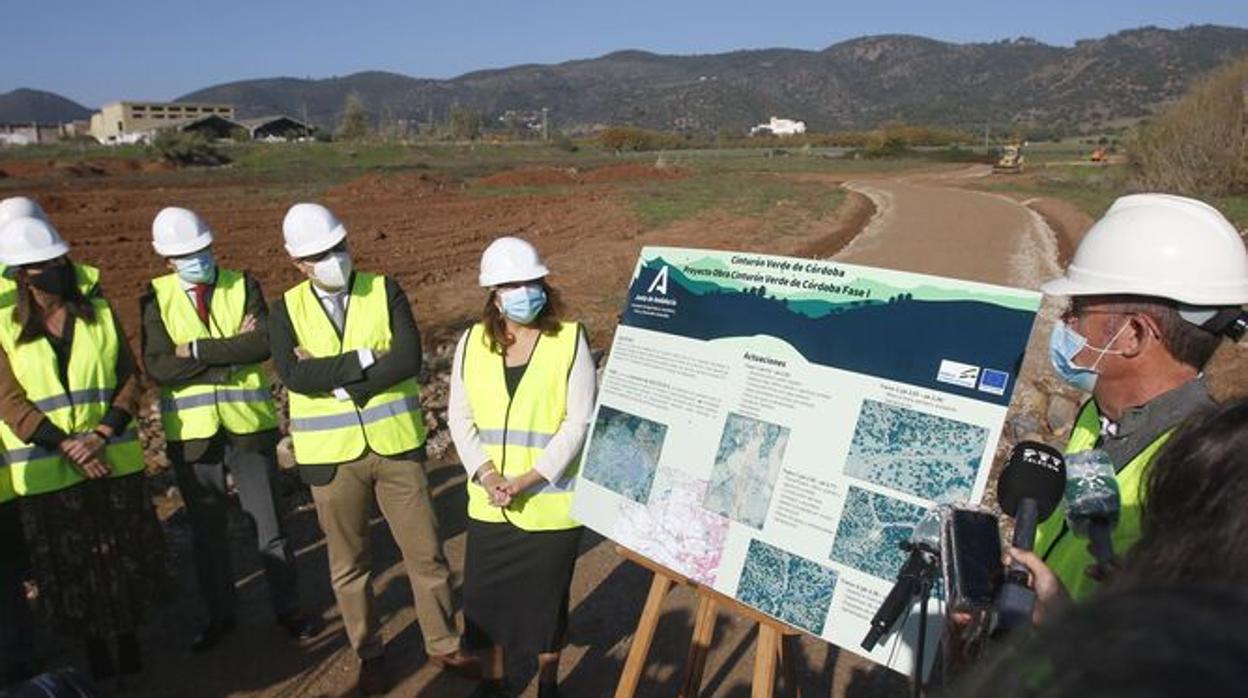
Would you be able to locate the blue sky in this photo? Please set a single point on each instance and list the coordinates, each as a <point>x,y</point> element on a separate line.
<point>95,51</point>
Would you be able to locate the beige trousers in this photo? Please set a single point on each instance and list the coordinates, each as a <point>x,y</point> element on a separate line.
<point>343,507</point>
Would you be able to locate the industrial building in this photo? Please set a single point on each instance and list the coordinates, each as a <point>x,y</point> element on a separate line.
<point>138,122</point>
<point>30,133</point>
<point>129,122</point>
<point>276,128</point>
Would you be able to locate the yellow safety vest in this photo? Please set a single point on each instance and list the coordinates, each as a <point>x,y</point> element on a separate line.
<point>88,278</point>
<point>1067,555</point>
<point>325,430</point>
<point>515,429</point>
<point>75,409</point>
<point>244,405</point>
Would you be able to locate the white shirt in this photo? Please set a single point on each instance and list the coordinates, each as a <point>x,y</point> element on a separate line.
<point>564,446</point>
<point>328,301</point>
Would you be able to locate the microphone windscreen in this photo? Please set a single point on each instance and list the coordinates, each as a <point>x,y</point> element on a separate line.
<point>1034,470</point>
<point>927,531</point>
<point>1091,489</point>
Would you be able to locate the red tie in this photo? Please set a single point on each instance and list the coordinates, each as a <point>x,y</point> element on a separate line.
<point>201,302</point>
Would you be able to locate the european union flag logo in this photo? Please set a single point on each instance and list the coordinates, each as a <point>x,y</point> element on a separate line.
<point>991,381</point>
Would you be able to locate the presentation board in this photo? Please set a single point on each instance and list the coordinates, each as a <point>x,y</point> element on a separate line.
<point>774,427</point>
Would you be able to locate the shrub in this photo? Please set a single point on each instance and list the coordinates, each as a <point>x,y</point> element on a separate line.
<point>187,148</point>
<point>465,123</point>
<point>1198,147</point>
<point>886,146</point>
<point>354,126</point>
<point>628,138</point>
<point>561,142</point>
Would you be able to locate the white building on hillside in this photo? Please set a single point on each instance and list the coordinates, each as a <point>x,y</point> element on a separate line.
<point>779,127</point>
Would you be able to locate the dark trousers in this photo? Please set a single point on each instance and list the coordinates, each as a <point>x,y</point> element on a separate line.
<point>17,629</point>
<point>202,482</point>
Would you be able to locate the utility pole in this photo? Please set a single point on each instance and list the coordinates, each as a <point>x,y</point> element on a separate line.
<point>985,136</point>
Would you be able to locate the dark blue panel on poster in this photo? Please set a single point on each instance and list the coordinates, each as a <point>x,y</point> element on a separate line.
<point>900,339</point>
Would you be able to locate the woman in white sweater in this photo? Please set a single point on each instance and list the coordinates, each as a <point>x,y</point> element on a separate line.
<point>522,393</point>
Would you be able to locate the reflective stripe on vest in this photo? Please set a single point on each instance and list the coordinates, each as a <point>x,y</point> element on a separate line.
<point>516,429</point>
<point>6,482</point>
<point>326,430</point>
<point>88,278</point>
<point>1067,555</point>
<point>92,374</point>
<point>244,404</point>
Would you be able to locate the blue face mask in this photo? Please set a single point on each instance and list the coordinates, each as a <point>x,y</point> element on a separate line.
<point>522,304</point>
<point>1065,344</point>
<point>198,268</point>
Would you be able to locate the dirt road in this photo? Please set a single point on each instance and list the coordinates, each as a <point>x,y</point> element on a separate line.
<point>925,223</point>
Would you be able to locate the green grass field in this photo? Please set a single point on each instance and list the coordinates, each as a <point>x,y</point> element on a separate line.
<point>1094,188</point>
<point>739,180</point>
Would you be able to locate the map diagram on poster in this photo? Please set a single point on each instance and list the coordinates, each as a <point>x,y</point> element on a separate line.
<point>774,427</point>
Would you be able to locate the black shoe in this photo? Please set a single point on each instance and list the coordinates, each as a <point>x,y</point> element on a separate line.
<point>100,659</point>
<point>212,635</point>
<point>299,626</point>
<point>547,690</point>
<point>129,654</point>
<point>372,680</point>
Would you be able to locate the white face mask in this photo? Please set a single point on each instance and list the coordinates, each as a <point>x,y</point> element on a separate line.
<point>332,272</point>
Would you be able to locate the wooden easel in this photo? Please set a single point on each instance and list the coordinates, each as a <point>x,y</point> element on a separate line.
<point>775,639</point>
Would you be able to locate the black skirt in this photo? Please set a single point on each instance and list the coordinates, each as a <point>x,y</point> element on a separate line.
<point>98,555</point>
<point>516,586</point>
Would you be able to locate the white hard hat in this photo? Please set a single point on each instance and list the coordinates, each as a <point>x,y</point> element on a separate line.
<point>29,240</point>
<point>20,207</point>
<point>179,231</point>
<point>509,259</point>
<point>311,229</point>
<point>1162,246</point>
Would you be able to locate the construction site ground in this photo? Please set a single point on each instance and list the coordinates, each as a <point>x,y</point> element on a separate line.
<point>426,226</point>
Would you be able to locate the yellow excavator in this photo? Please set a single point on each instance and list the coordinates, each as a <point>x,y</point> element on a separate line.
<point>1011,159</point>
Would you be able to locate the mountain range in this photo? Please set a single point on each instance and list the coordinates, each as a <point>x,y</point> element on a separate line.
<point>854,84</point>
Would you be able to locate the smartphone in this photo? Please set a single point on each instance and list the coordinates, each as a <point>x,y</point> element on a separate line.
<point>972,559</point>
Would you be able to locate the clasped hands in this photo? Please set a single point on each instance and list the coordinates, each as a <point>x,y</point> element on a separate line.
<point>85,451</point>
<point>501,490</point>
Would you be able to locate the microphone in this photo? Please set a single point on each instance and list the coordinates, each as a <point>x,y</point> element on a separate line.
<point>1028,489</point>
<point>1092,500</point>
<point>915,575</point>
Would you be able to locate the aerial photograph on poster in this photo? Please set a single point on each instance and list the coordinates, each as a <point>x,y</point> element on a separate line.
<point>921,454</point>
<point>795,590</point>
<point>872,529</point>
<point>624,453</point>
<point>746,466</point>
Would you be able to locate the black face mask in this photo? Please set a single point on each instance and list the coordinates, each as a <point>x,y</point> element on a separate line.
<point>55,281</point>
